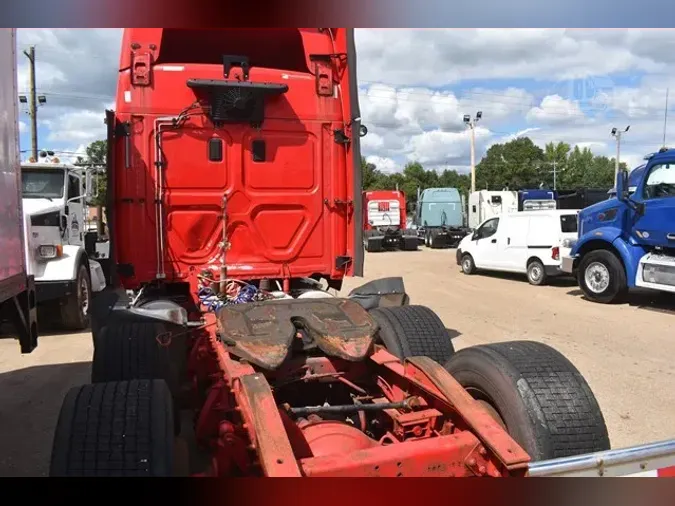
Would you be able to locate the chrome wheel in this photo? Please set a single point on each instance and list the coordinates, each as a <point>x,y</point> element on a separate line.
<point>597,277</point>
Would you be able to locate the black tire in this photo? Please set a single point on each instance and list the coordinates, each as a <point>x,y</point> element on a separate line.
<point>536,272</point>
<point>410,331</point>
<point>134,350</point>
<point>75,309</point>
<point>542,399</point>
<point>433,239</point>
<point>140,351</point>
<point>427,242</point>
<point>115,429</point>
<point>617,287</point>
<point>468,265</point>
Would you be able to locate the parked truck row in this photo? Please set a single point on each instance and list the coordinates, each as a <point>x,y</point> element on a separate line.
<point>442,218</point>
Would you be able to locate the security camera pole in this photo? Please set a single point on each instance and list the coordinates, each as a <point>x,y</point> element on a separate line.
<point>471,124</point>
<point>617,134</point>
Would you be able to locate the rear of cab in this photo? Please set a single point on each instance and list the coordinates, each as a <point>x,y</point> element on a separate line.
<point>255,128</point>
<point>520,238</point>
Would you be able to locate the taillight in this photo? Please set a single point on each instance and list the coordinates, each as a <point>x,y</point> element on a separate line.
<point>555,253</point>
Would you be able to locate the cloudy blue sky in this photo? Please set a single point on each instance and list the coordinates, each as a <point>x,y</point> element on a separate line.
<point>415,86</point>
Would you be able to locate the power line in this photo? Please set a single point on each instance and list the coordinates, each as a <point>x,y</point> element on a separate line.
<point>79,97</point>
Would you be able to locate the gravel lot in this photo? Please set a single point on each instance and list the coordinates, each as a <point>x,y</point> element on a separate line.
<point>625,351</point>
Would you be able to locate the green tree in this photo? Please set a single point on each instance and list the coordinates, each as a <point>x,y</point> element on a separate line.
<point>515,164</point>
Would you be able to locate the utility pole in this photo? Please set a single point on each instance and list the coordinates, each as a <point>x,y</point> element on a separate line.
<point>665,119</point>
<point>617,134</point>
<point>32,104</point>
<point>555,172</point>
<point>471,123</point>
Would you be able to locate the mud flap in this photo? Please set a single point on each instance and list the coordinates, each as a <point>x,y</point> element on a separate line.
<point>374,244</point>
<point>409,243</point>
<point>385,292</point>
<point>439,241</point>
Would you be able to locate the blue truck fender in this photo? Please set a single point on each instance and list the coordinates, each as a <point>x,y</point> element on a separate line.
<point>611,237</point>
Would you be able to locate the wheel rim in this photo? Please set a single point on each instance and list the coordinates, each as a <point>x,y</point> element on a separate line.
<point>466,264</point>
<point>535,273</point>
<point>484,400</point>
<point>84,296</point>
<point>597,277</point>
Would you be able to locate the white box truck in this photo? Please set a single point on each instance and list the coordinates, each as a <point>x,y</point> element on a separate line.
<point>17,288</point>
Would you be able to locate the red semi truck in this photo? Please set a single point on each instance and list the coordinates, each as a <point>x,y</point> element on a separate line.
<point>384,222</point>
<point>17,288</point>
<point>234,204</point>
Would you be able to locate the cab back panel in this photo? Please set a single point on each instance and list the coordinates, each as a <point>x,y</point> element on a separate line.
<point>289,184</point>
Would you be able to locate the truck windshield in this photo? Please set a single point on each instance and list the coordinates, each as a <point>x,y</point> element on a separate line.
<point>660,182</point>
<point>45,184</point>
<point>568,223</point>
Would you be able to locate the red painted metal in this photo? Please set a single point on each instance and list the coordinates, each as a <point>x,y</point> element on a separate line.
<point>328,437</point>
<point>281,221</point>
<point>384,198</point>
<point>446,434</point>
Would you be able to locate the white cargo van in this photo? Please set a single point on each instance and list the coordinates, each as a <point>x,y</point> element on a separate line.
<point>529,242</point>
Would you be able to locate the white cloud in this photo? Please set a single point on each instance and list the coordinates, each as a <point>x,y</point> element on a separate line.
<point>22,127</point>
<point>76,127</point>
<point>437,57</point>
<point>555,109</point>
<point>384,164</point>
<point>431,78</point>
<point>439,148</point>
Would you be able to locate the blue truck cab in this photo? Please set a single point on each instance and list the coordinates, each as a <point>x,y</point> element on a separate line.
<point>628,241</point>
<point>440,217</point>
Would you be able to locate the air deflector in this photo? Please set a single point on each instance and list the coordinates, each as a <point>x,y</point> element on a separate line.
<point>235,101</point>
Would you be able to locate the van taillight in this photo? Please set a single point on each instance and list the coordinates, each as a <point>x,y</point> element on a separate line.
<point>556,253</point>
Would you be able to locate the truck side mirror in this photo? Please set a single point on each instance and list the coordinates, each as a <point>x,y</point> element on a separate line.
<point>91,188</point>
<point>622,185</point>
<point>88,183</point>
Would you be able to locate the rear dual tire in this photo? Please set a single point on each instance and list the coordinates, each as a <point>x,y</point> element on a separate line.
<point>537,394</point>
<point>529,388</point>
<point>409,331</point>
<point>140,351</point>
<point>120,428</point>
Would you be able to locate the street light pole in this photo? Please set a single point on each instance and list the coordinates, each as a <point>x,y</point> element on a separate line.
<point>471,123</point>
<point>617,134</point>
